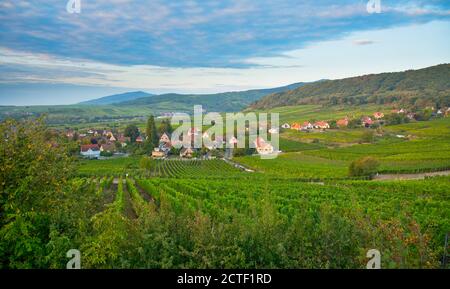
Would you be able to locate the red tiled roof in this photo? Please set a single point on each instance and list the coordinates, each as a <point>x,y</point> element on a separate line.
<point>93,147</point>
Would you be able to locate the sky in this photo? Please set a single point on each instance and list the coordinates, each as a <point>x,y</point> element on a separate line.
<point>51,56</point>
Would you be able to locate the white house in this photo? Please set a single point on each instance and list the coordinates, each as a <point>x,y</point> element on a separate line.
<point>262,147</point>
<point>90,151</point>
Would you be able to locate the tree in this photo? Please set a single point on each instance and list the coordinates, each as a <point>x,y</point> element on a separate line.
<point>333,124</point>
<point>34,175</point>
<point>165,127</point>
<point>132,132</point>
<point>366,166</point>
<point>152,135</point>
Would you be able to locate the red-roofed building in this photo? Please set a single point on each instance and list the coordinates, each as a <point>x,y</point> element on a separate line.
<point>378,115</point>
<point>321,125</point>
<point>90,151</point>
<point>296,126</point>
<point>367,121</point>
<point>342,122</point>
<point>262,147</point>
<point>307,125</point>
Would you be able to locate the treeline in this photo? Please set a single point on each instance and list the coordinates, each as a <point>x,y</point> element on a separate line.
<point>412,89</point>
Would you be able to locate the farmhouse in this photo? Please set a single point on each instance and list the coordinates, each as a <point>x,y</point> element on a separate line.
<point>112,138</point>
<point>378,115</point>
<point>342,122</point>
<point>321,125</point>
<point>91,151</point>
<point>110,147</point>
<point>307,126</point>
<point>366,121</point>
<point>296,126</point>
<point>157,154</point>
<point>262,147</point>
<point>124,140</point>
<point>186,153</point>
<point>164,138</point>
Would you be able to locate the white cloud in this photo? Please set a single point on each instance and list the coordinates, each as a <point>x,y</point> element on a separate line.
<point>395,49</point>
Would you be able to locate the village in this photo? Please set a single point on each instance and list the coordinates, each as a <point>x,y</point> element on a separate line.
<point>102,144</point>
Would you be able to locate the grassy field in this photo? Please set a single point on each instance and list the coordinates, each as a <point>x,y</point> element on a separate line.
<point>304,113</point>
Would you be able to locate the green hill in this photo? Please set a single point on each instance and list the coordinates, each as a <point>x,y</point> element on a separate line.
<point>117,98</point>
<point>222,102</point>
<point>428,86</point>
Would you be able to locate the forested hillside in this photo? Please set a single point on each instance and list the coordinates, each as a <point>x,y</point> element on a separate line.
<point>413,88</point>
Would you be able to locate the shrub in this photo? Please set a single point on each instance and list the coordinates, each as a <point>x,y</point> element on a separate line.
<point>368,136</point>
<point>366,166</point>
<point>106,154</point>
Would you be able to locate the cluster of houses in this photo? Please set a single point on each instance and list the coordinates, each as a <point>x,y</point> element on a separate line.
<point>307,126</point>
<point>187,151</point>
<point>366,121</point>
<point>106,141</point>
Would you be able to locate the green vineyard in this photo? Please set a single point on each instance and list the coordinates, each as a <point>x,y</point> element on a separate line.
<point>255,222</point>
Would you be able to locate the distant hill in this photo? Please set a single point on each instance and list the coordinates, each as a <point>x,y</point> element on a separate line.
<point>423,87</point>
<point>117,98</point>
<point>223,102</point>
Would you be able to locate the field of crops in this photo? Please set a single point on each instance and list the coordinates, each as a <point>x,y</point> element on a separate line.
<point>300,210</point>
<point>213,223</point>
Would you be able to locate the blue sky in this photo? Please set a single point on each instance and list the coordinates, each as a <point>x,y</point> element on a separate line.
<point>48,56</point>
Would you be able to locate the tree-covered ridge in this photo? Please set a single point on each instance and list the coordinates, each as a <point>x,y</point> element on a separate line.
<point>224,102</point>
<point>413,88</point>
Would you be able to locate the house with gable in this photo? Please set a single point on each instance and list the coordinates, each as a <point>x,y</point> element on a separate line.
<point>91,151</point>
<point>262,147</point>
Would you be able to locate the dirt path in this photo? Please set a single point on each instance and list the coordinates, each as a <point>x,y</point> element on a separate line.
<point>144,194</point>
<point>419,176</point>
<point>116,181</point>
<point>129,211</point>
<point>238,165</point>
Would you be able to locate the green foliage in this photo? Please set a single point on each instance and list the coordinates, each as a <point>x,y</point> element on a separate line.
<point>132,132</point>
<point>368,136</point>
<point>152,134</point>
<point>423,87</point>
<point>366,166</point>
<point>396,118</point>
<point>165,127</point>
<point>33,174</point>
<point>106,154</point>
